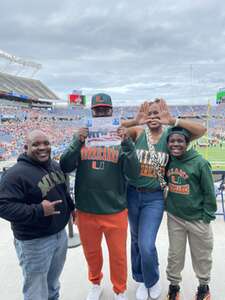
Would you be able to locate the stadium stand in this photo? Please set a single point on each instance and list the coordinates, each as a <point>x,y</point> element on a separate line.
<point>25,87</point>
<point>16,121</point>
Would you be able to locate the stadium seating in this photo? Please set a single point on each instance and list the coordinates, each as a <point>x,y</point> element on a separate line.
<point>61,123</point>
<point>25,86</point>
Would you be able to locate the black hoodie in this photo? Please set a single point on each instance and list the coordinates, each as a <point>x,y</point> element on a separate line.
<point>23,188</point>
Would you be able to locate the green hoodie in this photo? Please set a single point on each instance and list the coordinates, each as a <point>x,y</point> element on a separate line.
<point>102,173</point>
<point>191,189</point>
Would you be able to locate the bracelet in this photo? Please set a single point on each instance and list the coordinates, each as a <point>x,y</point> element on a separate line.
<point>176,122</point>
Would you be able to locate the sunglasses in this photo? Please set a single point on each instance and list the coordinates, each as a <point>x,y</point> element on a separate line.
<point>157,100</point>
<point>102,109</point>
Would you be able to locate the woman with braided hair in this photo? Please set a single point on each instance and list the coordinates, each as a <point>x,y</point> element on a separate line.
<point>145,195</point>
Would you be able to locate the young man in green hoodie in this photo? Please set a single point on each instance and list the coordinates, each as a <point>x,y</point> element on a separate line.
<point>191,206</point>
<point>100,196</point>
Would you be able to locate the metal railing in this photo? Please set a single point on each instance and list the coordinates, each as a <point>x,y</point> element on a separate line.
<point>219,176</point>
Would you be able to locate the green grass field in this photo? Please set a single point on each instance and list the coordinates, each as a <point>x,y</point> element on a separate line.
<point>215,155</point>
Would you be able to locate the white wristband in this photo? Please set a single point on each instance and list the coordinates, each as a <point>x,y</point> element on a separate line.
<point>176,122</point>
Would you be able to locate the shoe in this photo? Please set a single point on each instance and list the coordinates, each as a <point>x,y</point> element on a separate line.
<point>95,292</point>
<point>155,290</point>
<point>142,292</point>
<point>173,293</point>
<point>203,293</point>
<point>121,296</point>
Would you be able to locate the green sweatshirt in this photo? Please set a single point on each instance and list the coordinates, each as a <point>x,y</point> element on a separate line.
<point>148,177</point>
<point>191,189</point>
<point>102,174</point>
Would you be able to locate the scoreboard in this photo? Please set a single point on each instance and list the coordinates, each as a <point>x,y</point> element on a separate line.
<point>220,96</point>
<point>76,98</point>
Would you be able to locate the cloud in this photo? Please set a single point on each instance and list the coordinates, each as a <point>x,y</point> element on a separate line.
<point>133,50</point>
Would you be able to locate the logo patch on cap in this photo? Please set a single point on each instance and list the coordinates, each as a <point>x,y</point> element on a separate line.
<point>99,99</point>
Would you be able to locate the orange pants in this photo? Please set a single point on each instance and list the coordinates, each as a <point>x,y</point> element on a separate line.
<point>114,227</point>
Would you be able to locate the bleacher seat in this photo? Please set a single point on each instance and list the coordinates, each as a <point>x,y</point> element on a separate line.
<point>25,86</point>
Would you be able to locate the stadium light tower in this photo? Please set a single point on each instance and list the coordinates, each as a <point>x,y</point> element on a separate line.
<point>20,61</point>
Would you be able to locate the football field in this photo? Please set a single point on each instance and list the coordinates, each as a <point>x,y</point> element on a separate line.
<point>215,154</point>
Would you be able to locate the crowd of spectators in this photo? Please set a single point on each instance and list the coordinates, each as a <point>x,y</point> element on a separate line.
<point>17,123</point>
<point>60,124</point>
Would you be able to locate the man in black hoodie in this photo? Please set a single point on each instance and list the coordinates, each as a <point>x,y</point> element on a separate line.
<point>34,198</point>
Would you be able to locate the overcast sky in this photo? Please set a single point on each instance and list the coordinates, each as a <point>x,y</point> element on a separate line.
<point>132,50</point>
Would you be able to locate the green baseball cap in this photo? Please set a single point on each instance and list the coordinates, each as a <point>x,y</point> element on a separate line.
<point>179,130</point>
<point>101,99</point>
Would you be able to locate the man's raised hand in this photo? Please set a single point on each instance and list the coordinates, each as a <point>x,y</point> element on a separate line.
<point>82,134</point>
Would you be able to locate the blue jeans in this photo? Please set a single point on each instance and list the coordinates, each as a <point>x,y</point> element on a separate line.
<point>145,212</point>
<point>42,261</point>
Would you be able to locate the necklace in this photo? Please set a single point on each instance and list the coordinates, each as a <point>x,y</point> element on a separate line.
<point>154,138</point>
<point>156,163</point>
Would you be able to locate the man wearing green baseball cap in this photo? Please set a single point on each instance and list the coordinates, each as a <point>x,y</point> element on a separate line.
<point>101,105</point>
<point>100,193</point>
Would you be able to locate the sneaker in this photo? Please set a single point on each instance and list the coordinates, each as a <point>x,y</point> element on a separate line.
<point>155,290</point>
<point>203,293</point>
<point>95,292</point>
<point>173,293</point>
<point>121,296</point>
<point>142,292</point>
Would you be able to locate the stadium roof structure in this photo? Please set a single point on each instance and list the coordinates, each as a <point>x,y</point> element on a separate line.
<point>23,87</point>
<point>20,61</point>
